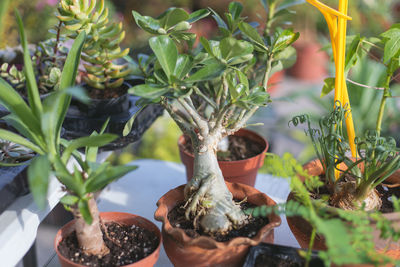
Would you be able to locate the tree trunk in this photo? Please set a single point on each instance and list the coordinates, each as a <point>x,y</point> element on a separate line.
<point>208,199</point>
<point>90,237</point>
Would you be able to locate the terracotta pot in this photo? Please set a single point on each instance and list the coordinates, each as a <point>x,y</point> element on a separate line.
<point>185,251</point>
<point>311,64</point>
<point>238,171</point>
<point>121,218</point>
<point>274,81</point>
<point>302,229</point>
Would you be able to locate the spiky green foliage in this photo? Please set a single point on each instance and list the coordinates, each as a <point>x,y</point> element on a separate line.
<point>347,234</point>
<point>13,154</point>
<point>102,47</point>
<point>376,160</point>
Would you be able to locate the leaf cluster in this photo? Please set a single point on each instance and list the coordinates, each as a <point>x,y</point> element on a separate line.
<point>213,82</point>
<point>102,47</point>
<point>40,123</point>
<point>347,234</point>
<point>13,154</point>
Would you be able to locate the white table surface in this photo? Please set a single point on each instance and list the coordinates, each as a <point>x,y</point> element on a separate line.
<point>139,191</point>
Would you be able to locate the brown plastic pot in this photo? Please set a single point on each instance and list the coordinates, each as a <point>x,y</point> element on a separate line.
<point>184,251</point>
<point>121,218</point>
<point>238,171</point>
<point>301,229</point>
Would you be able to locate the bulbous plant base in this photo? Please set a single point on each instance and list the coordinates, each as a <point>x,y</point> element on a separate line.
<point>117,217</point>
<point>301,229</point>
<point>183,250</point>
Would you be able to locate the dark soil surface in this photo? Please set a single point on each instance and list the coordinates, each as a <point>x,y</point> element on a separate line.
<point>177,218</point>
<point>265,260</point>
<point>384,191</point>
<point>107,93</point>
<point>129,244</point>
<point>239,148</point>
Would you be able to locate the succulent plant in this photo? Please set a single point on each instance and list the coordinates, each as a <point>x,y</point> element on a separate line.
<point>102,46</point>
<point>11,153</point>
<point>14,76</point>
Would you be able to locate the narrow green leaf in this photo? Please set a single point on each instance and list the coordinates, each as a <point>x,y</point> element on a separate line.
<point>184,64</point>
<point>206,73</point>
<point>392,43</point>
<point>329,85</point>
<point>99,181</point>
<point>198,15</point>
<point>84,210</point>
<point>69,200</point>
<point>148,91</point>
<point>235,8</point>
<point>38,178</point>
<point>15,138</point>
<point>166,52</point>
<point>253,35</point>
<point>172,17</point>
<point>33,92</point>
<point>128,126</point>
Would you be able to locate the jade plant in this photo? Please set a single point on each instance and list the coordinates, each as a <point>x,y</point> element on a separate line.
<point>39,124</point>
<point>347,234</point>
<point>102,48</point>
<point>210,91</point>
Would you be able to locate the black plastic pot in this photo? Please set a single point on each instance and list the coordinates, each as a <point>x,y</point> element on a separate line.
<point>270,255</point>
<point>13,184</point>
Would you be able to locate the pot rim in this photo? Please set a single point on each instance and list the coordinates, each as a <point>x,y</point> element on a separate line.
<point>157,233</point>
<point>161,214</point>
<point>266,146</point>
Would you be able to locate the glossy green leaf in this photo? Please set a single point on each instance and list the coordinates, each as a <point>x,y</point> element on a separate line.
<point>172,16</point>
<point>235,8</point>
<point>353,52</point>
<point>33,92</point>
<point>184,64</point>
<point>221,23</point>
<point>128,126</point>
<point>147,23</point>
<point>206,73</point>
<point>198,15</point>
<point>166,53</point>
<point>329,85</point>
<point>99,181</point>
<point>392,42</point>
<point>285,38</point>
<point>231,48</point>
<point>38,178</point>
<point>253,35</point>
<point>148,91</point>
<point>84,210</point>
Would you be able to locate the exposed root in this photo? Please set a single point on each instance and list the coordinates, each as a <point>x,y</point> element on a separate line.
<point>346,199</point>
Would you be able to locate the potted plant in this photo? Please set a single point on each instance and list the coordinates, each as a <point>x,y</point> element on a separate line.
<point>40,126</point>
<point>348,234</point>
<point>105,73</point>
<point>210,92</point>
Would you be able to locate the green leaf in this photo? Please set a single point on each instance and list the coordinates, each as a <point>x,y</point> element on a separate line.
<point>128,126</point>
<point>99,181</point>
<point>15,138</point>
<point>329,85</point>
<point>147,23</point>
<point>198,15</point>
<point>221,23</point>
<point>148,91</point>
<point>235,8</point>
<point>172,16</point>
<point>289,3</point>
<point>33,92</point>
<point>207,46</point>
<point>38,177</point>
<point>184,64</point>
<point>285,39</point>
<point>87,141</point>
<point>207,73</point>
<point>166,53</point>
<point>392,43</point>
<point>231,48</point>
<point>352,54</point>
<point>69,200</point>
<point>253,35</point>
<point>84,210</point>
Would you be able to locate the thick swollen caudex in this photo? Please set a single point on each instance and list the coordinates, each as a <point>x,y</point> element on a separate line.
<point>90,236</point>
<point>208,199</point>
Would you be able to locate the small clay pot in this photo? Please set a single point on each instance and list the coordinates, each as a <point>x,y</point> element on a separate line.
<point>238,171</point>
<point>301,229</point>
<point>117,217</point>
<point>184,251</point>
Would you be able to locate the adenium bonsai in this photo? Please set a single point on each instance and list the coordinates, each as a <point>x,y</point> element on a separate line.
<point>210,91</point>
<point>39,124</point>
